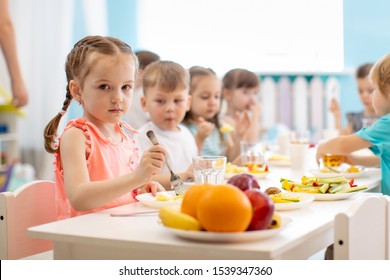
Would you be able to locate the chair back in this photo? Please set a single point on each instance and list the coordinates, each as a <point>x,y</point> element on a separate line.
<point>360,233</point>
<point>387,237</point>
<point>30,205</point>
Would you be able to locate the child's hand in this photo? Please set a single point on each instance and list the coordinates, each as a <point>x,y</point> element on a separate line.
<point>205,128</point>
<point>151,187</point>
<point>243,122</point>
<point>334,107</point>
<point>151,162</point>
<point>188,175</point>
<point>255,109</point>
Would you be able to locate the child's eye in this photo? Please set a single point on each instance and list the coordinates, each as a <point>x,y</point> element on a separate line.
<point>104,86</point>
<point>160,101</point>
<point>178,100</point>
<point>127,87</point>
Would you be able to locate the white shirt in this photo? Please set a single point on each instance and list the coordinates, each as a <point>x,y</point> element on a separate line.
<point>180,145</point>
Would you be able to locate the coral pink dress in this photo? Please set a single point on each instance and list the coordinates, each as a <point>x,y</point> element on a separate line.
<point>105,160</point>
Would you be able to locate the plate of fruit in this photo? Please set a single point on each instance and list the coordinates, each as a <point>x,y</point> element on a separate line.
<point>223,213</point>
<point>345,170</point>
<point>333,188</point>
<point>286,200</point>
<point>230,237</point>
<point>258,172</point>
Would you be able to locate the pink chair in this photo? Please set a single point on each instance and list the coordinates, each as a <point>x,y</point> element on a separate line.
<point>30,205</point>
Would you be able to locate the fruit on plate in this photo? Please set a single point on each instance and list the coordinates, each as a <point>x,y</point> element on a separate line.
<point>263,209</point>
<point>224,208</point>
<point>191,198</point>
<point>171,216</point>
<point>244,181</point>
<point>284,198</point>
<point>276,221</point>
<point>235,169</point>
<point>321,185</point>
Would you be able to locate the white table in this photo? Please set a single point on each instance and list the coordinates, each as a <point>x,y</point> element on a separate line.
<point>100,236</point>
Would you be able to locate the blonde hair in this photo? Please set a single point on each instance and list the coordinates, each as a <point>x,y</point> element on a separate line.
<point>78,66</point>
<point>166,75</point>
<point>380,74</point>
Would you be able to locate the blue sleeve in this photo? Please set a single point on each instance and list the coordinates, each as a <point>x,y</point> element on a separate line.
<point>377,134</point>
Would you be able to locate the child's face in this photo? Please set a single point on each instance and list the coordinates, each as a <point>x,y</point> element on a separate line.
<point>206,97</point>
<point>365,92</point>
<point>166,109</point>
<point>108,88</point>
<point>241,99</point>
<point>380,102</point>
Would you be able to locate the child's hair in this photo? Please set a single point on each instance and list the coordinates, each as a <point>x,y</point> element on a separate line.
<point>199,71</point>
<point>145,58</point>
<point>380,74</point>
<point>78,66</point>
<point>363,70</point>
<point>166,75</point>
<point>240,78</point>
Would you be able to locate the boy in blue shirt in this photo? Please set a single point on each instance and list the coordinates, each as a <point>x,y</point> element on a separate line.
<point>375,137</point>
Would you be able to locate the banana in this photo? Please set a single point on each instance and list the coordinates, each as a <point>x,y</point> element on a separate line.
<point>226,128</point>
<point>282,198</point>
<point>276,221</point>
<point>171,216</point>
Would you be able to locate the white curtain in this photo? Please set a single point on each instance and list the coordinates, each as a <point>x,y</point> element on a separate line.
<point>44,37</point>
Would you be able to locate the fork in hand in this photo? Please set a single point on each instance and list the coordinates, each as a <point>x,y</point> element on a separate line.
<point>176,182</point>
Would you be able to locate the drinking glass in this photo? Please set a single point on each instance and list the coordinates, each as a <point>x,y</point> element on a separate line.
<point>209,169</point>
<point>252,154</point>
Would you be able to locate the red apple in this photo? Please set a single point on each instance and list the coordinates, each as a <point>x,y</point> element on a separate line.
<point>244,181</point>
<point>263,209</point>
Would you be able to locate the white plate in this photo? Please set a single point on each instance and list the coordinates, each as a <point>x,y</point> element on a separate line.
<point>149,200</point>
<point>305,199</point>
<point>349,175</point>
<point>261,175</point>
<point>331,196</point>
<point>229,237</point>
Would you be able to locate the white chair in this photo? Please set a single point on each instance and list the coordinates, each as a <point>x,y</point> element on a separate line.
<point>387,202</point>
<point>30,205</point>
<point>360,233</point>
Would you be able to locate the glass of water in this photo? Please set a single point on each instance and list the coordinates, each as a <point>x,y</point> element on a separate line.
<point>209,169</point>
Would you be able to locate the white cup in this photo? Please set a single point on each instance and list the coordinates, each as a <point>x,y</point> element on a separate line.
<point>298,155</point>
<point>209,169</point>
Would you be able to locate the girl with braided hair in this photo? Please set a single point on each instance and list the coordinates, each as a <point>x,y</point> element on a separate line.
<point>96,161</point>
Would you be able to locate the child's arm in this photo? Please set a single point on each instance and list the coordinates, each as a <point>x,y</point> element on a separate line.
<point>242,125</point>
<point>205,128</point>
<point>342,145</point>
<point>86,195</point>
<point>367,160</point>
<point>253,132</point>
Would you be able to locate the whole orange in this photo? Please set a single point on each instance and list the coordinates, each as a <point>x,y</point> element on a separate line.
<point>224,208</point>
<point>191,198</point>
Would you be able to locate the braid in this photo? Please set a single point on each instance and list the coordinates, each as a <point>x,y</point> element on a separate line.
<point>50,132</point>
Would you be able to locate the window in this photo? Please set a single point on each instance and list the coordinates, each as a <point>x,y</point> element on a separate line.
<point>260,35</point>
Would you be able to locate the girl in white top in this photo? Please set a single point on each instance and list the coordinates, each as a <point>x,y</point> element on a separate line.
<point>166,98</point>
